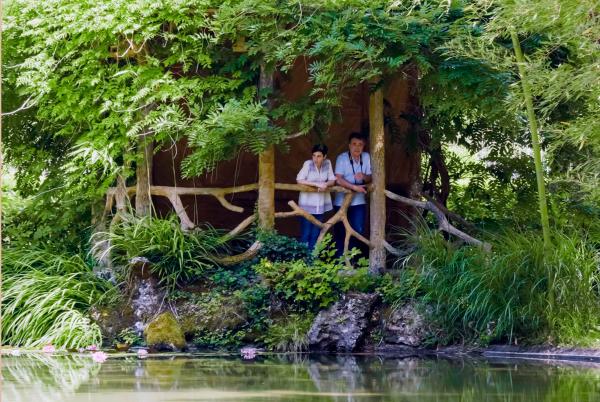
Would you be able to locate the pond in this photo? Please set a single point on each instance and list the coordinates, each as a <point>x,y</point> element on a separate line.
<point>75,378</point>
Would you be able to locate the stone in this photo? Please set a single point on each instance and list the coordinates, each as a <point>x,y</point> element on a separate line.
<point>343,326</point>
<point>405,326</point>
<point>147,296</point>
<point>112,320</point>
<point>211,313</point>
<point>164,333</point>
<point>143,300</point>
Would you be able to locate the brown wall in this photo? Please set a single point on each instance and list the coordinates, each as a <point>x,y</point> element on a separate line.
<point>401,165</point>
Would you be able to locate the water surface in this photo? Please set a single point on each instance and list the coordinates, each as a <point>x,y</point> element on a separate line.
<point>42,378</point>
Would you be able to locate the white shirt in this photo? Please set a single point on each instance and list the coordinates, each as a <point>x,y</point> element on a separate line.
<point>347,169</point>
<point>316,203</point>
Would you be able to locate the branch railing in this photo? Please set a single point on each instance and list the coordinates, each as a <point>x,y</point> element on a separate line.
<point>120,194</point>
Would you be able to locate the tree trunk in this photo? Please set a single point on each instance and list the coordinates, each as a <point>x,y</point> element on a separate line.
<point>266,165</point>
<point>377,254</point>
<point>143,172</point>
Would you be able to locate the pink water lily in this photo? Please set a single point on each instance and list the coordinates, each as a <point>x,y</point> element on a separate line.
<point>49,349</point>
<point>99,357</point>
<point>248,353</point>
<point>142,353</point>
<point>92,348</point>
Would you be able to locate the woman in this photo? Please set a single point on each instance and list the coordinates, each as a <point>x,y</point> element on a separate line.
<point>318,173</point>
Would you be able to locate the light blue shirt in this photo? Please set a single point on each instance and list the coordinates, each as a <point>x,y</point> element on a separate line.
<point>343,167</point>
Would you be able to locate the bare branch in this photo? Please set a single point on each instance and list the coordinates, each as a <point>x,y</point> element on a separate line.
<point>295,135</point>
<point>26,105</point>
<point>443,223</point>
<point>246,255</point>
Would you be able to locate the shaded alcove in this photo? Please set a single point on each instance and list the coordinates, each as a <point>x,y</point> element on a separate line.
<point>402,160</point>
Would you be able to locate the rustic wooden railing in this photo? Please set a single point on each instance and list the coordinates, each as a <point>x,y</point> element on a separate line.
<point>119,195</point>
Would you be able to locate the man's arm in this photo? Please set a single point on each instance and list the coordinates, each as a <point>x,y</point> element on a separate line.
<point>346,184</point>
<point>366,178</point>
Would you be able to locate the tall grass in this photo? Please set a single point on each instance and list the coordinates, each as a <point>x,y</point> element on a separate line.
<point>177,256</point>
<point>514,292</point>
<point>289,334</point>
<point>46,299</point>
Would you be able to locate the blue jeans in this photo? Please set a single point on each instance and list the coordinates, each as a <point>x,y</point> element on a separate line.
<point>356,217</point>
<point>310,232</point>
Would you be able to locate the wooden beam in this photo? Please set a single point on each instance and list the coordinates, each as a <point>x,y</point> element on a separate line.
<point>443,223</point>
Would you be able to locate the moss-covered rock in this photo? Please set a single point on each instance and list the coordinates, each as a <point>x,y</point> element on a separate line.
<point>164,333</point>
<point>211,312</point>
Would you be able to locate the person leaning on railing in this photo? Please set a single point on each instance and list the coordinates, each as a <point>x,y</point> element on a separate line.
<point>316,172</point>
<point>352,171</point>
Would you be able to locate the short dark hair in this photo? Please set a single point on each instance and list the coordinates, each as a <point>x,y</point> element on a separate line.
<point>322,148</point>
<point>358,136</point>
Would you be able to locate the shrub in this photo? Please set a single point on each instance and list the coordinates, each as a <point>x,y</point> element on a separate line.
<point>222,339</point>
<point>238,276</point>
<point>279,248</point>
<point>304,284</point>
<point>130,337</point>
<point>307,286</point>
<point>360,280</point>
<point>395,291</point>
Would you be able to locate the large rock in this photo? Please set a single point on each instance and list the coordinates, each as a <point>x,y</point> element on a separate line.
<point>143,300</point>
<point>211,313</point>
<point>147,296</point>
<point>164,333</point>
<point>405,326</point>
<point>343,326</point>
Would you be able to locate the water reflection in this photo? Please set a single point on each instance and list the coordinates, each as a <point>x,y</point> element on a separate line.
<point>293,378</point>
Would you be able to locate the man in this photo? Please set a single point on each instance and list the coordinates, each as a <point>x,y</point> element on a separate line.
<point>352,171</point>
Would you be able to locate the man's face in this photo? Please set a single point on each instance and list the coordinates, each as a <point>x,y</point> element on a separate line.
<point>356,147</point>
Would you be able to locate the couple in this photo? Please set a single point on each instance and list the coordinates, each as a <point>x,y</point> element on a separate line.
<point>352,171</point>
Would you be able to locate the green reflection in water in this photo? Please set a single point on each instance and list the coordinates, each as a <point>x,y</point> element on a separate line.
<point>286,378</point>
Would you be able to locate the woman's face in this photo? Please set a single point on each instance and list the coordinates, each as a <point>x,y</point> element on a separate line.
<point>318,158</point>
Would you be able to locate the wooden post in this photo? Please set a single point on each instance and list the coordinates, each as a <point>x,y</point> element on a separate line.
<point>266,164</point>
<point>143,172</point>
<point>377,253</point>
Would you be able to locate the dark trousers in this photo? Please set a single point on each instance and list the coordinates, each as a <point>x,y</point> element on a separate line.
<point>310,232</point>
<point>356,217</point>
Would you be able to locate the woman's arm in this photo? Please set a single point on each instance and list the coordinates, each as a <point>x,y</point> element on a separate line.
<point>319,185</point>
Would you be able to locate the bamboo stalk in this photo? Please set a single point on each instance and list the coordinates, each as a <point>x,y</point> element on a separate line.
<point>535,141</point>
<point>537,158</point>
